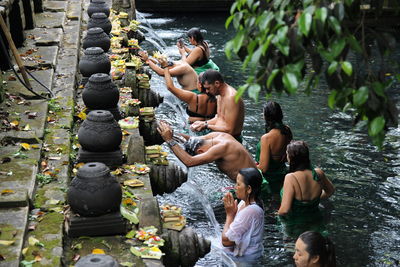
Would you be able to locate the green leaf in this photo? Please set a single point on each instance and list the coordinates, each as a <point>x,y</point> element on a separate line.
<point>256,56</point>
<point>266,19</point>
<point>267,43</point>
<point>347,68</point>
<point>305,23</point>
<point>335,25</point>
<point>321,14</point>
<point>354,43</point>
<point>129,215</point>
<point>254,90</point>
<point>228,21</point>
<point>237,19</point>
<point>332,99</point>
<point>339,11</point>
<point>361,96</point>
<point>228,49</point>
<point>376,126</point>
<point>233,8</point>
<point>337,47</point>
<point>348,2</point>
<point>379,89</point>
<point>238,41</point>
<point>290,81</point>
<point>332,67</point>
<point>240,91</point>
<point>282,34</point>
<point>272,77</point>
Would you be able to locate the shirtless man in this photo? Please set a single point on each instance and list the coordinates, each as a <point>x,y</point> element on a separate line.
<point>230,114</point>
<point>229,155</point>
<point>185,74</point>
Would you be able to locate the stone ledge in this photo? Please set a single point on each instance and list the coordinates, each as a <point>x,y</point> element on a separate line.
<point>50,19</point>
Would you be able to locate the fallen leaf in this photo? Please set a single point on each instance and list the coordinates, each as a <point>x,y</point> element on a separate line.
<point>14,123</point>
<point>2,258</point>
<point>106,244</point>
<point>52,202</point>
<point>27,128</point>
<point>77,246</point>
<point>76,257</point>
<point>12,78</point>
<point>54,158</point>
<point>38,258</point>
<point>126,264</point>
<point>32,115</point>
<point>35,146</point>
<point>34,242</point>
<point>5,160</point>
<point>7,192</point>
<point>7,242</point>
<point>82,115</point>
<point>26,146</point>
<point>98,251</point>
<point>24,250</point>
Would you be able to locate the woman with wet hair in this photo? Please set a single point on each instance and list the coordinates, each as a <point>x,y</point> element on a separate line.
<point>312,249</point>
<point>198,57</point>
<point>242,235</point>
<point>302,191</point>
<point>271,150</point>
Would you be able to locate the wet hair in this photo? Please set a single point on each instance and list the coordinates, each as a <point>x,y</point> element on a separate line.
<point>317,245</point>
<point>273,116</point>
<point>202,89</point>
<point>299,156</point>
<point>170,63</point>
<point>196,34</point>
<point>192,145</point>
<point>211,76</point>
<point>252,177</point>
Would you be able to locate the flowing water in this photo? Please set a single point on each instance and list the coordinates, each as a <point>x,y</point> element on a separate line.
<point>362,217</point>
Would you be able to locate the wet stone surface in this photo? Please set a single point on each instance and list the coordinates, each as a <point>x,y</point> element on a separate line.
<point>50,19</point>
<point>13,198</point>
<point>29,129</point>
<point>44,56</point>
<point>44,76</point>
<point>44,37</point>
<point>20,172</point>
<point>55,6</point>
<point>12,225</point>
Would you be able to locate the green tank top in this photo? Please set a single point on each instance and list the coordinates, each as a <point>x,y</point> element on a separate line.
<point>275,175</point>
<point>303,215</point>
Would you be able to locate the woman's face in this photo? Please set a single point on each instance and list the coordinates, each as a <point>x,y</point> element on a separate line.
<point>191,40</point>
<point>302,257</point>
<point>241,188</point>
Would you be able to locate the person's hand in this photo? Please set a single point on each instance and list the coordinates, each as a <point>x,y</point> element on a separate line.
<point>230,204</point>
<point>198,126</point>
<point>165,131</point>
<point>163,62</point>
<point>182,50</point>
<point>143,55</point>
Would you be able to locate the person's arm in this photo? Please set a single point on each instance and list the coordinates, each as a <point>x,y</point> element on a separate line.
<point>214,153</point>
<point>264,153</point>
<point>231,209</point>
<point>184,95</point>
<point>327,187</point>
<point>227,126</point>
<point>193,56</point>
<point>288,195</point>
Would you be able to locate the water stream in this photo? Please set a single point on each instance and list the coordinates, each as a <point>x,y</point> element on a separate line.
<point>363,215</point>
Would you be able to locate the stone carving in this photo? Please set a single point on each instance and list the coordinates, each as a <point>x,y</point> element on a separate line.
<point>94,61</point>
<point>98,6</point>
<point>100,20</point>
<point>96,37</point>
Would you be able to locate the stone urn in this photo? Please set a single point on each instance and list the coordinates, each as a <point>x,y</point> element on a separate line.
<point>100,20</point>
<point>100,132</point>
<point>96,37</point>
<point>94,61</point>
<point>98,6</point>
<point>94,191</point>
<point>100,92</point>
<point>97,260</point>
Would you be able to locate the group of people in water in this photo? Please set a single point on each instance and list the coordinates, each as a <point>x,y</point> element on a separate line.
<point>218,118</point>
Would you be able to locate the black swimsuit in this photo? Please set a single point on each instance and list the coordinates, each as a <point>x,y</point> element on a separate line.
<point>202,61</point>
<point>195,114</point>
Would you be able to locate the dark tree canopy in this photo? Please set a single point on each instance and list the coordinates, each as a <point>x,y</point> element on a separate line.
<point>285,43</point>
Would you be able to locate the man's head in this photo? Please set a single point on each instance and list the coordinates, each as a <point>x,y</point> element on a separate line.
<point>192,145</point>
<point>212,80</point>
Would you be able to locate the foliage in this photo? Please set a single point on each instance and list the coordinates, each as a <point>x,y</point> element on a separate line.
<point>285,42</point>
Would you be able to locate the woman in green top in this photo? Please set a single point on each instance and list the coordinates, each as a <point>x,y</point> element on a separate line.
<point>302,190</point>
<point>199,56</point>
<point>271,150</point>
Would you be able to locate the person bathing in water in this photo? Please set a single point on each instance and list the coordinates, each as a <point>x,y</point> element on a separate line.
<point>230,114</point>
<point>184,73</point>
<point>199,106</point>
<point>221,148</point>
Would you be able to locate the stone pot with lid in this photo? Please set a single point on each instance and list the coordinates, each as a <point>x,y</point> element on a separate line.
<point>96,37</point>
<point>94,191</point>
<point>98,6</point>
<point>100,132</point>
<point>94,61</point>
<point>100,92</point>
<point>100,20</point>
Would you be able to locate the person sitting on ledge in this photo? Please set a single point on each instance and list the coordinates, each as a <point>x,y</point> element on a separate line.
<point>230,113</point>
<point>199,106</point>
<point>242,236</point>
<point>185,74</point>
<point>221,148</point>
<point>198,57</point>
